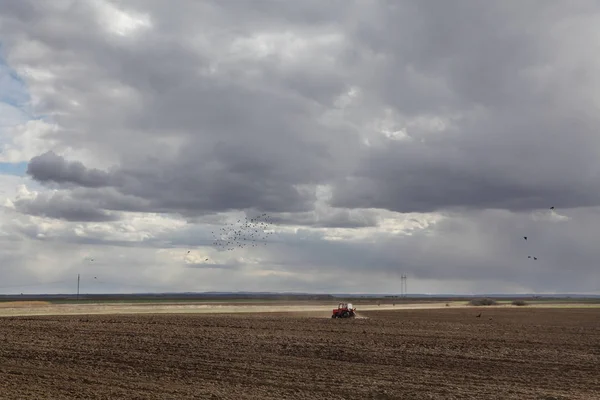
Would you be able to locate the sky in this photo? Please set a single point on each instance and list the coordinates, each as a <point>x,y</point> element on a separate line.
<point>381,138</point>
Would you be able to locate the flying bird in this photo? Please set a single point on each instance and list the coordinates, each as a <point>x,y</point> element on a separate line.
<point>525,237</point>
<point>552,208</point>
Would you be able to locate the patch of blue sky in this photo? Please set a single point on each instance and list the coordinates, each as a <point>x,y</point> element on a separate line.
<point>13,89</point>
<point>14,92</point>
<point>15,109</point>
<point>17,169</point>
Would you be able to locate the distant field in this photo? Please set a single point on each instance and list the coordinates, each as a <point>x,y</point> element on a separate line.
<point>518,353</point>
<point>136,301</point>
<point>23,304</point>
<point>73,307</point>
<point>224,307</point>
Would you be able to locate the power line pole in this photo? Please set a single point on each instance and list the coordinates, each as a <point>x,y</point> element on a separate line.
<point>403,285</point>
<point>77,286</point>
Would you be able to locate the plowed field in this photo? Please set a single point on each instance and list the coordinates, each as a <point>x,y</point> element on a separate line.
<point>515,353</point>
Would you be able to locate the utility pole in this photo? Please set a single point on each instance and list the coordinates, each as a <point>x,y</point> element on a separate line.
<point>402,285</point>
<point>77,286</point>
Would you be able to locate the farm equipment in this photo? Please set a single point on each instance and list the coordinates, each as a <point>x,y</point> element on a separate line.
<point>344,310</point>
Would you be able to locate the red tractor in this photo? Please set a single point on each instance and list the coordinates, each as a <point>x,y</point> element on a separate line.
<point>344,310</point>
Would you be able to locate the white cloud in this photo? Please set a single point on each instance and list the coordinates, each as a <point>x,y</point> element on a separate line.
<point>25,140</point>
<point>118,21</point>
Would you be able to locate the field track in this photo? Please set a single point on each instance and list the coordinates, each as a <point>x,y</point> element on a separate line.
<point>507,353</point>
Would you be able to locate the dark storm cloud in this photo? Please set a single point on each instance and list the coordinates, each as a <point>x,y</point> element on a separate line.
<point>412,177</point>
<point>521,128</point>
<point>173,188</point>
<point>51,167</point>
<point>61,206</point>
<point>250,133</point>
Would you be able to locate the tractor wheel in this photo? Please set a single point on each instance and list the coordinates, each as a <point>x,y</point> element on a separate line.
<point>333,316</point>
<point>345,314</point>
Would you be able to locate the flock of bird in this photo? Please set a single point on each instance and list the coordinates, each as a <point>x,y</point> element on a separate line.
<point>525,237</point>
<point>247,232</point>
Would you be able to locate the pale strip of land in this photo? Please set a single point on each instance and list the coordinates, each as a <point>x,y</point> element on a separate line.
<point>157,308</point>
<point>42,308</point>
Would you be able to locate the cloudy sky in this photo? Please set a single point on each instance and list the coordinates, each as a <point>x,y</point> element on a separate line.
<point>383,138</point>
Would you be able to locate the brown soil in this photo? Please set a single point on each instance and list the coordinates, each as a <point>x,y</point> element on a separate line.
<point>408,354</point>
